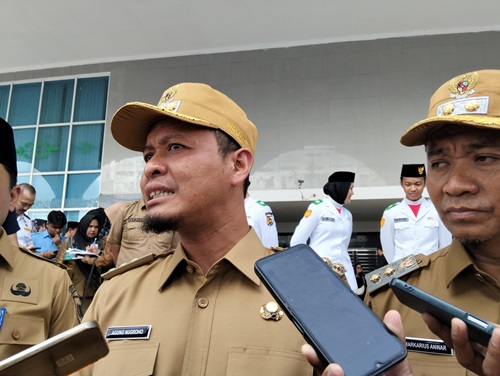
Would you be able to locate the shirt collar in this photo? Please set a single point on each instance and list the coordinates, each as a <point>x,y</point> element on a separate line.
<point>242,257</point>
<point>6,248</point>
<point>458,262</point>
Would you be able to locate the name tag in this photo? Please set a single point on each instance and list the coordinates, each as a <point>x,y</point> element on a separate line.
<point>399,220</point>
<point>128,332</point>
<point>429,346</point>
<point>328,219</point>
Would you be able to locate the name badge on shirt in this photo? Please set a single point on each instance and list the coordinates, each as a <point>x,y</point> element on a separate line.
<point>399,220</point>
<point>128,332</point>
<point>328,219</point>
<point>429,346</point>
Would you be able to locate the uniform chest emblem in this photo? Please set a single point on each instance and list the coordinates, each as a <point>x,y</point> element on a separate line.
<point>20,289</point>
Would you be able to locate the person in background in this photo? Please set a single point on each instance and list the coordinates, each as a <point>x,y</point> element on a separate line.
<point>328,224</point>
<point>71,228</point>
<point>381,260</point>
<point>261,218</point>
<point>24,203</point>
<point>39,225</point>
<point>412,226</point>
<point>49,242</point>
<point>360,280</point>
<point>128,241</point>
<point>36,295</point>
<point>198,147</point>
<point>89,236</point>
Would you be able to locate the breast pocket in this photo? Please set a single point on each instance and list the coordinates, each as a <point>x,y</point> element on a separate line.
<point>247,361</point>
<point>133,231</point>
<point>21,330</point>
<point>128,358</point>
<point>402,225</point>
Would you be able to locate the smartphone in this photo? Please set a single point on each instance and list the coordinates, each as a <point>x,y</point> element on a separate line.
<point>479,330</point>
<point>330,316</point>
<point>62,354</point>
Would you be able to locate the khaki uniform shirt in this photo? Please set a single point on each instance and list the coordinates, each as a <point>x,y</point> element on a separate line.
<point>450,275</point>
<point>200,325</point>
<point>126,231</point>
<point>37,295</point>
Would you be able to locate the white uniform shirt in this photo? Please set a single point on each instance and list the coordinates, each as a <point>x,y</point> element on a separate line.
<point>261,218</point>
<point>403,234</point>
<point>26,228</point>
<point>329,232</point>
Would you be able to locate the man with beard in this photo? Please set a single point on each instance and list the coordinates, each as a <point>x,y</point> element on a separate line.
<point>462,140</point>
<point>199,309</point>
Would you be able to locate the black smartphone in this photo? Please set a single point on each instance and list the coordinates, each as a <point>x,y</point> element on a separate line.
<point>479,330</point>
<point>330,316</point>
<point>62,354</point>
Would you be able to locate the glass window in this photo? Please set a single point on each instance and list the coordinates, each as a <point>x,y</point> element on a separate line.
<point>57,102</point>
<point>49,191</point>
<point>91,94</point>
<point>51,149</point>
<point>24,139</point>
<point>82,191</point>
<point>86,147</point>
<point>24,104</point>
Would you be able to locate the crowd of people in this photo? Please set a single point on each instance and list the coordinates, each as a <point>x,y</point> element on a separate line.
<point>184,267</point>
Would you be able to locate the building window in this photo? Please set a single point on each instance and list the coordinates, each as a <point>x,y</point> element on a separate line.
<point>59,130</point>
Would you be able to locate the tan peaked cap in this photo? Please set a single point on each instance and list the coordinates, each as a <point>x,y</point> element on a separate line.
<point>189,102</point>
<point>471,99</point>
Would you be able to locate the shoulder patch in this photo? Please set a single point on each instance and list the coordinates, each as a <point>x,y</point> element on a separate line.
<point>381,277</point>
<point>392,205</point>
<point>317,202</point>
<point>144,260</point>
<point>261,203</point>
<point>28,252</point>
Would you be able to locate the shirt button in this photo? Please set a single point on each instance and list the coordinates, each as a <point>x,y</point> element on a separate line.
<point>190,269</point>
<point>202,302</point>
<point>16,334</point>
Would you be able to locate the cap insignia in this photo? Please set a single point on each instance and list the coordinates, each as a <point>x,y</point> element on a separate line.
<point>167,103</point>
<point>463,85</point>
<point>421,170</point>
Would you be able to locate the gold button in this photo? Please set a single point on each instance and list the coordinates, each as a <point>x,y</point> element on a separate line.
<point>202,302</point>
<point>16,334</point>
<point>190,269</point>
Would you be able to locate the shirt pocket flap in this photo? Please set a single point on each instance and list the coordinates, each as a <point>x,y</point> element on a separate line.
<point>127,358</point>
<point>22,330</point>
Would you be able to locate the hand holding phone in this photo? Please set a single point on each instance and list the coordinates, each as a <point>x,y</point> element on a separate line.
<point>479,330</point>
<point>332,319</point>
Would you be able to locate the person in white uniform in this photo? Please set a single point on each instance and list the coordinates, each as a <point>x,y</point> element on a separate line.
<point>412,226</point>
<point>24,203</point>
<point>261,218</point>
<point>328,224</point>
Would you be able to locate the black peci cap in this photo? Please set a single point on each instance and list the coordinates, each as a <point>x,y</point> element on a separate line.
<point>413,171</point>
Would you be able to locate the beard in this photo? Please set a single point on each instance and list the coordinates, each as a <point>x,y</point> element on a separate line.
<point>471,244</point>
<point>158,224</point>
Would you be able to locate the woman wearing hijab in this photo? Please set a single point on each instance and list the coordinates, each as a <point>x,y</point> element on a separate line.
<point>328,224</point>
<point>91,230</point>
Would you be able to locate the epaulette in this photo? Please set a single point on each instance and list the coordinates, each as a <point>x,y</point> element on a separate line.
<point>261,203</point>
<point>391,206</point>
<point>32,254</point>
<point>135,263</point>
<point>381,277</point>
<point>317,202</point>
<point>338,268</point>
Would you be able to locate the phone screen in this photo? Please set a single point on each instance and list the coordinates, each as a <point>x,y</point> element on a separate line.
<point>328,313</point>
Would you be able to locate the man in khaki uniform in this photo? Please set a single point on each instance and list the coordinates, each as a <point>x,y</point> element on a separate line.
<point>127,240</point>
<point>198,310</point>
<point>462,140</point>
<point>36,299</point>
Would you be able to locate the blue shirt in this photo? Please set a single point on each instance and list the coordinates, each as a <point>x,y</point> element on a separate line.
<point>45,242</point>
